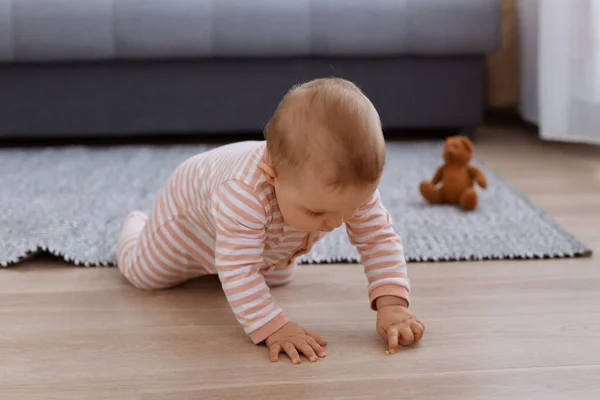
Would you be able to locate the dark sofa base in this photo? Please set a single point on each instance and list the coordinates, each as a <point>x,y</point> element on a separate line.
<point>226,95</point>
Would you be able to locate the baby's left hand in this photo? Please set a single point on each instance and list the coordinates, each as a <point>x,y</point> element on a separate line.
<point>398,326</point>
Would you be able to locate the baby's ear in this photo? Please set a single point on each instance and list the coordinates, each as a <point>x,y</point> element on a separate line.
<point>466,142</point>
<point>268,171</point>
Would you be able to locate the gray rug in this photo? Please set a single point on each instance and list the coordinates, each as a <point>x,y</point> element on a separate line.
<point>71,202</point>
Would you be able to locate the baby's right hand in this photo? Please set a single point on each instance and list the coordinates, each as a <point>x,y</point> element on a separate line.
<point>291,338</point>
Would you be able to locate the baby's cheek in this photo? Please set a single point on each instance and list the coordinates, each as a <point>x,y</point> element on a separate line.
<point>306,223</point>
<point>297,219</point>
<point>350,215</point>
<point>303,222</point>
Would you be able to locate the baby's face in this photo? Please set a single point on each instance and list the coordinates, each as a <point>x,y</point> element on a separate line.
<point>308,204</point>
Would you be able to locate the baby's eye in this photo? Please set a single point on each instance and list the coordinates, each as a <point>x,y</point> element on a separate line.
<point>314,214</point>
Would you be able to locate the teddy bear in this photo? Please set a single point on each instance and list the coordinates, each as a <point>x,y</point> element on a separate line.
<point>456,175</point>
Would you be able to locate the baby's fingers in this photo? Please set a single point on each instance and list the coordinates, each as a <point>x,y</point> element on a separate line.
<point>316,346</point>
<point>290,350</point>
<point>418,330</point>
<point>274,352</point>
<point>392,335</point>
<point>306,349</point>
<point>406,336</point>
<point>318,338</point>
<point>381,332</point>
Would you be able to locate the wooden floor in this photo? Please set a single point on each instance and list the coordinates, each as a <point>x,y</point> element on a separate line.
<point>495,330</point>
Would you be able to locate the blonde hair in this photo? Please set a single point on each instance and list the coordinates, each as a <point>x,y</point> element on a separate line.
<point>331,126</point>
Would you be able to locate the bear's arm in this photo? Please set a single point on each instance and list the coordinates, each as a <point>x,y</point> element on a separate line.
<point>439,174</point>
<point>478,176</point>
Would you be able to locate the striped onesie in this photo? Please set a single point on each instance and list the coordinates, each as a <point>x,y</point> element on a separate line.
<point>219,215</point>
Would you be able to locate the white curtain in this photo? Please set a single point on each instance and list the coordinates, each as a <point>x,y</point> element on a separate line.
<point>569,70</point>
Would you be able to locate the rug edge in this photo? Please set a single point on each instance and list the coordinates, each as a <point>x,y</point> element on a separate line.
<point>583,253</point>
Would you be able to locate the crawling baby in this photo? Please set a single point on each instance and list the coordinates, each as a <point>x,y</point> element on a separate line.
<point>247,211</point>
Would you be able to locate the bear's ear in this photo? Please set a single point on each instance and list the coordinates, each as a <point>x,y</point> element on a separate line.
<point>466,142</point>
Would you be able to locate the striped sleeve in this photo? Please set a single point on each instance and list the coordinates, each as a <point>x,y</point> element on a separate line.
<point>380,249</point>
<point>241,220</point>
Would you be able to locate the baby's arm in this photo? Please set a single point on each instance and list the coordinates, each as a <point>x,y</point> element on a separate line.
<point>241,220</point>
<point>380,248</point>
<point>382,255</point>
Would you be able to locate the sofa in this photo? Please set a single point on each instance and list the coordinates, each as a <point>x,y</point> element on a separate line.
<point>101,68</point>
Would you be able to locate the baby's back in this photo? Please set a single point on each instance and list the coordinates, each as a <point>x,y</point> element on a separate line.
<point>185,203</point>
<point>195,180</point>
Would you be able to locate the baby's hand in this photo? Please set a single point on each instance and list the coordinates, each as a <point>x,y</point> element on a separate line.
<point>397,325</point>
<point>291,338</point>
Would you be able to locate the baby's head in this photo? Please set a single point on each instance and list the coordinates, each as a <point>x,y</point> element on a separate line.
<point>326,153</point>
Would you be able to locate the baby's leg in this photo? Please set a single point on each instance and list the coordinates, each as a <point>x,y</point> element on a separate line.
<point>143,257</point>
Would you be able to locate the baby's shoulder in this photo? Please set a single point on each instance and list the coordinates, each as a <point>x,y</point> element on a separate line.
<point>238,162</point>
<point>240,148</point>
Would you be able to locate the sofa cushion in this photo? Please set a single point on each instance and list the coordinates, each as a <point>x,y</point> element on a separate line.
<point>59,30</point>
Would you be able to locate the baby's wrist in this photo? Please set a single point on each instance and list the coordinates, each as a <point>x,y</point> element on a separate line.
<point>390,300</point>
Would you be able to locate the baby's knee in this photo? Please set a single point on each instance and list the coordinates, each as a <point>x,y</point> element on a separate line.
<point>137,280</point>
<point>279,277</point>
<point>126,264</point>
<point>274,282</point>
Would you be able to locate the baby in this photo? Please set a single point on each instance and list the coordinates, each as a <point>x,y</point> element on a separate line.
<point>247,211</point>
